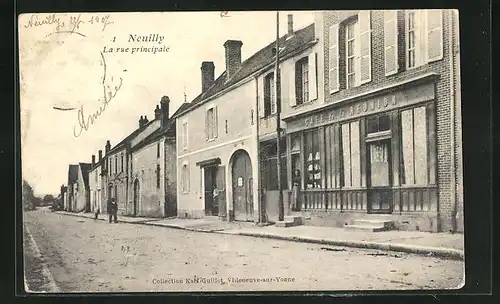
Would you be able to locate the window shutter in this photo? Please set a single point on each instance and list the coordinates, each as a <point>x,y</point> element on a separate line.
<point>333,55</point>
<point>292,99</point>
<point>207,125</point>
<point>313,78</point>
<point>391,42</point>
<point>216,125</point>
<point>261,96</point>
<point>365,48</point>
<point>434,35</point>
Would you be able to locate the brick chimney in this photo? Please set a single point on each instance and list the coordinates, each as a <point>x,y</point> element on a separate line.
<point>290,25</point>
<point>207,75</point>
<point>141,122</point>
<point>108,147</point>
<point>164,109</point>
<point>157,112</point>
<point>100,156</point>
<point>233,57</point>
<point>93,160</point>
<point>145,120</point>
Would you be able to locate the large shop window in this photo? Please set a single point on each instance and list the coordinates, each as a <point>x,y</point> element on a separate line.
<point>351,154</point>
<point>270,165</point>
<point>312,160</point>
<point>414,146</point>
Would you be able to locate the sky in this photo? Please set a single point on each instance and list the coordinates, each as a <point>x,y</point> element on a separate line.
<point>61,65</point>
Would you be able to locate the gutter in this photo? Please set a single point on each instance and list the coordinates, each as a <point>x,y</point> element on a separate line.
<point>249,77</point>
<point>452,124</point>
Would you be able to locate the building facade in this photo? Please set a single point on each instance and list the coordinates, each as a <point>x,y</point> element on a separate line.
<point>95,184</point>
<point>385,140</point>
<point>78,191</point>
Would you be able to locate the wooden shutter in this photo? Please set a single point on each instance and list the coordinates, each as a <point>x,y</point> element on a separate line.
<point>333,54</point>
<point>207,126</point>
<point>216,125</point>
<point>292,99</point>
<point>434,35</point>
<point>391,42</point>
<point>313,78</point>
<point>261,95</point>
<point>365,47</point>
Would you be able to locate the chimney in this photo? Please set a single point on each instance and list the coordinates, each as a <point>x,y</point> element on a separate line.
<point>157,112</point>
<point>108,147</point>
<point>141,122</point>
<point>233,57</point>
<point>100,156</point>
<point>290,25</point>
<point>207,75</point>
<point>164,102</point>
<point>145,119</point>
<point>93,160</point>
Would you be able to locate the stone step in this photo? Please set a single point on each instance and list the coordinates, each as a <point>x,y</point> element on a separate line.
<point>297,220</point>
<point>388,224</point>
<point>370,228</point>
<point>285,224</point>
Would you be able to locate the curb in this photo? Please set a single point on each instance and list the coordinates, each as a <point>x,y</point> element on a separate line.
<point>446,253</point>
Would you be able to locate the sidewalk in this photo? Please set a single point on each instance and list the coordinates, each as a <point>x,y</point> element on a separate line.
<point>444,245</point>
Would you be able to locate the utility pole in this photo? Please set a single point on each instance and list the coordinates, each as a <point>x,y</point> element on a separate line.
<point>281,206</point>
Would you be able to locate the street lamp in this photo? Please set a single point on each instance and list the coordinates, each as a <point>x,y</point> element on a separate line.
<point>281,206</point>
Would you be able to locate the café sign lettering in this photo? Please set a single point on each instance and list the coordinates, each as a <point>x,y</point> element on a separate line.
<point>359,109</point>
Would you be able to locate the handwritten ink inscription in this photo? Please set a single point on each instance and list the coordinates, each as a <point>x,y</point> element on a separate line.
<point>84,122</point>
<point>68,23</point>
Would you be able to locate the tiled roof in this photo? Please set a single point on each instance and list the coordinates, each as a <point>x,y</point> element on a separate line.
<point>259,60</point>
<point>85,167</point>
<point>130,137</point>
<point>72,174</point>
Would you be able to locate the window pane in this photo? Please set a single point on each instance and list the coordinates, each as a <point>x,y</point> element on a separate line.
<point>355,155</point>
<point>350,80</point>
<point>346,154</point>
<point>350,48</point>
<point>420,142</point>
<point>407,143</point>
<point>350,65</point>
<point>350,30</point>
<point>372,124</point>
<point>384,123</point>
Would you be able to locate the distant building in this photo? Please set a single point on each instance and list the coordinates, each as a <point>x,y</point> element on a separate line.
<point>78,197</point>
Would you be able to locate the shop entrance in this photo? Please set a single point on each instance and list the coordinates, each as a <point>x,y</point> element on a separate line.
<point>211,203</point>
<point>379,176</point>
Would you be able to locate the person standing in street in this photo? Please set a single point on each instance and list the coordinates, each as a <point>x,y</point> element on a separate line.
<point>96,209</point>
<point>296,180</point>
<point>112,210</point>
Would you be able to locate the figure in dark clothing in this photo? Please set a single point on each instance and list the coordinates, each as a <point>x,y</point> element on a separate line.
<point>112,210</point>
<point>296,180</point>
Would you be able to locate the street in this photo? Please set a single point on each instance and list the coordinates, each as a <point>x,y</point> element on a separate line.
<point>83,255</point>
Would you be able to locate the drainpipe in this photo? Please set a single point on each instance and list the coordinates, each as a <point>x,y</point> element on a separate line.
<point>259,184</point>
<point>451,53</point>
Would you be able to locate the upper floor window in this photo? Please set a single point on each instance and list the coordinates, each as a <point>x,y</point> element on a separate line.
<point>424,37</point>
<point>351,54</point>
<point>211,126</point>
<point>110,164</point>
<point>121,160</point>
<point>158,150</point>
<point>116,164</point>
<point>302,80</point>
<point>184,135</point>
<point>269,95</point>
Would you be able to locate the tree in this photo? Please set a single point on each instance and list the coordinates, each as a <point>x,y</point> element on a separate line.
<point>48,198</point>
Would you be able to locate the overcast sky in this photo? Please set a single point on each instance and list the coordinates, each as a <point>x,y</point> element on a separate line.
<point>64,70</point>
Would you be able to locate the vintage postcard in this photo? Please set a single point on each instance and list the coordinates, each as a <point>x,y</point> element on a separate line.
<point>241,151</point>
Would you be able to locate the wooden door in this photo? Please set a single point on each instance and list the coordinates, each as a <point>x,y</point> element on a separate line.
<point>136,196</point>
<point>220,199</point>
<point>379,177</point>
<point>210,186</point>
<point>242,187</point>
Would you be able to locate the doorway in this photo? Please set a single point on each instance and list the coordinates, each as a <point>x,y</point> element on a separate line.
<point>211,204</point>
<point>242,186</point>
<point>379,183</point>
<point>136,195</point>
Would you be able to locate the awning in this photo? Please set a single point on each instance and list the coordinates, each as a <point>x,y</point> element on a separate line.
<point>209,162</point>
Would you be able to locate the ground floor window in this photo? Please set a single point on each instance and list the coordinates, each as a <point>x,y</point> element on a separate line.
<point>313,168</point>
<point>185,178</point>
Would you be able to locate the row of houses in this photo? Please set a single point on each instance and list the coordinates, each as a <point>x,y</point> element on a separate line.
<point>370,119</point>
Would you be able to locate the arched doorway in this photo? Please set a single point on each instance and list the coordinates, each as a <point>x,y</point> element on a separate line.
<point>137,188</point>
<point>241,174</point>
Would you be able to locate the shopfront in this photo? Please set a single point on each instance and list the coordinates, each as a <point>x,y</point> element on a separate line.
<point>367,156</point>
